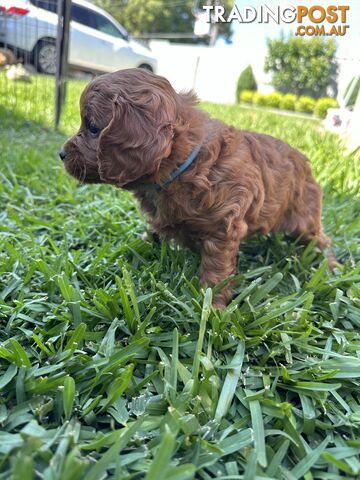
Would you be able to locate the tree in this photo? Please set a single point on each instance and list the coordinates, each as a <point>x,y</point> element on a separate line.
<point>303,67</point>
<point>246,81</point>
<point>159,16</point>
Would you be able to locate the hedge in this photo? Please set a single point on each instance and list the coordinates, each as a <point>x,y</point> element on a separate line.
<point>323,105</point>
<point>289,101</point>
<point>305,105</point>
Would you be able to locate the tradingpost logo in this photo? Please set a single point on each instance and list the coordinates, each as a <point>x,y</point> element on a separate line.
<point>310,20</point>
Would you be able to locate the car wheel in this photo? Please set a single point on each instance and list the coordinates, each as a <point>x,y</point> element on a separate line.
<point>45,57</point>
<point>145,66</point>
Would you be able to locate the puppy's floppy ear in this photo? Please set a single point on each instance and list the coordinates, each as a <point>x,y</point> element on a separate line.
<point>133,143</point>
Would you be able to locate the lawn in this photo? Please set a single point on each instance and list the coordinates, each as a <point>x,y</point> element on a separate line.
<point>113,363</point>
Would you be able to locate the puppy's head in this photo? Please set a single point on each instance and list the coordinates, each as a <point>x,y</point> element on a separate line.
<point>127,128</point>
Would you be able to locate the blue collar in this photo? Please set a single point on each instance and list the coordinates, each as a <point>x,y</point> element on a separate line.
<point>180,169</point>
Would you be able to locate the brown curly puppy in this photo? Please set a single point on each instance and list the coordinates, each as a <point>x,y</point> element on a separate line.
<point>136,132</point>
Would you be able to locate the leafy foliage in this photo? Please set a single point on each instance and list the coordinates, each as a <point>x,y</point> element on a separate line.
<point>305,104</point>
<point>259,99</point>
<point>273,99</point>
<point>355,92</point>
<point>287,101</point>
<point>247,96</point>
<point>246,82</point>
<point>323,105</point>
<point>302,66</point>
<point>113,364</point>
<point>158,16</point>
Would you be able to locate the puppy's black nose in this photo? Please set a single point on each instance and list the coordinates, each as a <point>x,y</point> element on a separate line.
<point>62,154</point>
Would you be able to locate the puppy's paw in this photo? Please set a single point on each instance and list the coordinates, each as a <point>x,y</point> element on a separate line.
<point>332,262</point>
<point>145,237</point>
<point>151,237</point>
<point>220,301</point>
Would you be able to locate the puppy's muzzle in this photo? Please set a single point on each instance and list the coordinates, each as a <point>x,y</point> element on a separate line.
<point>62,154</point>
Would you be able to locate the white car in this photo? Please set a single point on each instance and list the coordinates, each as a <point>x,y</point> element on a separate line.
<point>98,43</point>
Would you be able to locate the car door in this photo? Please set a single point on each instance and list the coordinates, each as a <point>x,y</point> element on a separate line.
<point>115,51</point>
<point>96,43</point>
<point>85,46</point>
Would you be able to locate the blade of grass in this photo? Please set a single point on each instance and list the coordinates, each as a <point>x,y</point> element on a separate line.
<point>259,432</point>
<point>230,383</point>
<point>206,309</point>
<point>97,470</point>
<point>159,467</point>
<point>68,396</point>
<point>304,466</point>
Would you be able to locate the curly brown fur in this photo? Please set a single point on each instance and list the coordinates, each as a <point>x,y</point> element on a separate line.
<point>136,130</point>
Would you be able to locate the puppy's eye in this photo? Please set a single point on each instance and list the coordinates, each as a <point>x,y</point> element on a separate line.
<point>93,129</point>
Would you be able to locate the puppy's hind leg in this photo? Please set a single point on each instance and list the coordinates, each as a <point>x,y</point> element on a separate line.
<point>305,222</point>
<point>323,242</point>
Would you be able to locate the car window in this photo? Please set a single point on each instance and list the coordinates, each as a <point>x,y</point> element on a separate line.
<point>85,17</point>
<point>49,5</point>
<point>104,25</point>
<point>82,15</point>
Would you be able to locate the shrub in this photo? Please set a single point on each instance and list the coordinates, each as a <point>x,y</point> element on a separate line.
<point>355,92</point>
<point>246,82</point>
<point>323,105</point>
<point>302,66</point>
<point>288,101</point>
<point>273,99</point>
<point>305,104</point>
<point>259,99</point>
<point>247,96</point>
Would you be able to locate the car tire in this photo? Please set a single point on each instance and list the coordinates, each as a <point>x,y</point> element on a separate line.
<point>145,66</point>
<point>45,57</point>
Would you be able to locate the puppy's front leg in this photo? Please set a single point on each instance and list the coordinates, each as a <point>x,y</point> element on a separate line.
<point>218,259</point>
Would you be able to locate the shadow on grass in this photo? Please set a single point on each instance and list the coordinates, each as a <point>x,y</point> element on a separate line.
<point>15,120</point>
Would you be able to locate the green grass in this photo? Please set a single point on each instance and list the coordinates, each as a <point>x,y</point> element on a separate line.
<point>113,363</point>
